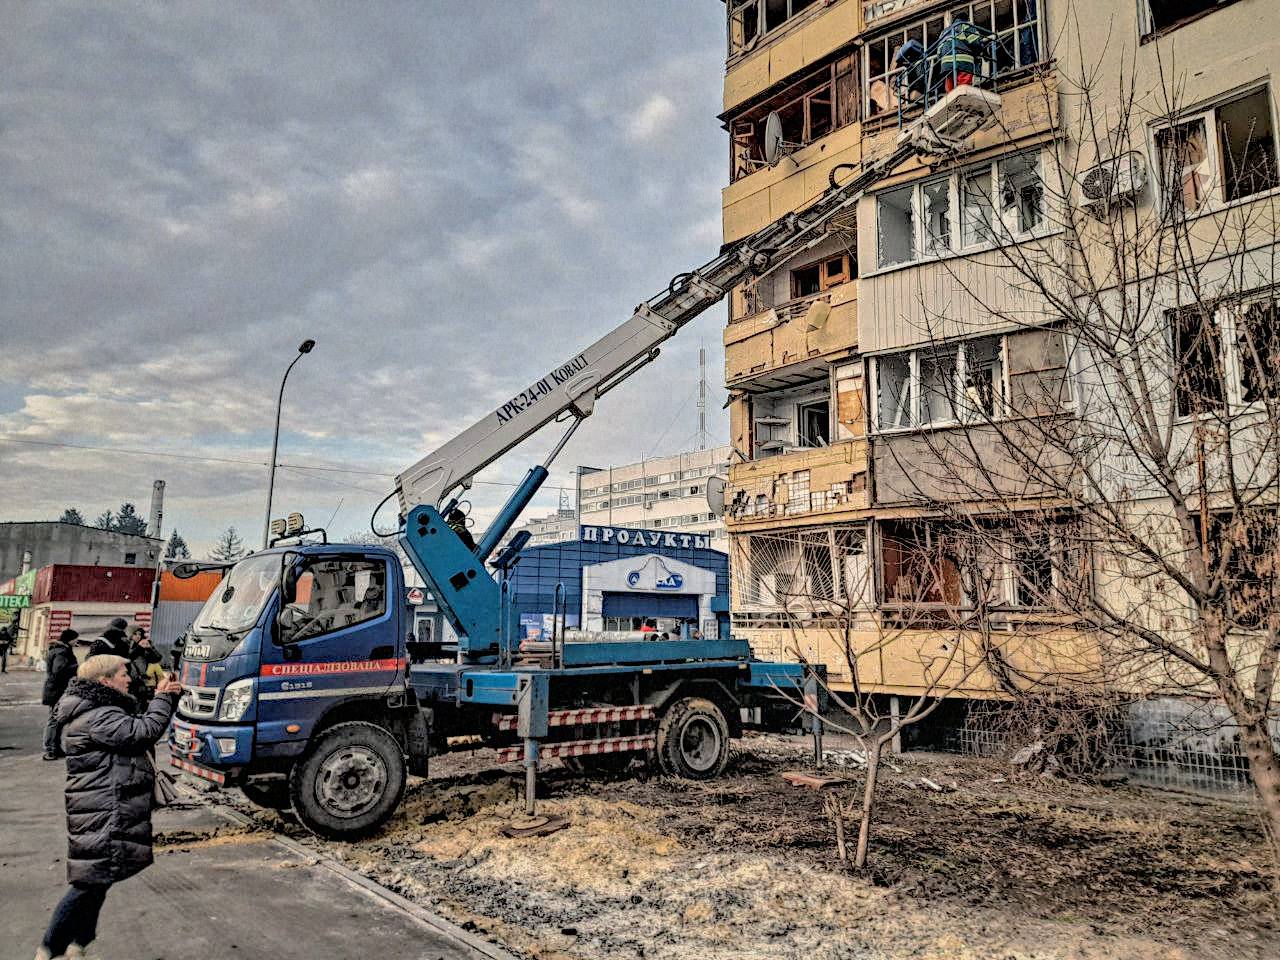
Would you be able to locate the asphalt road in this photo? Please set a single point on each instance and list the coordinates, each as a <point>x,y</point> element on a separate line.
<point>237,896</point>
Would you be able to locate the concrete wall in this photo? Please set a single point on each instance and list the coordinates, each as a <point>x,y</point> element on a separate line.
<point>70,543</point>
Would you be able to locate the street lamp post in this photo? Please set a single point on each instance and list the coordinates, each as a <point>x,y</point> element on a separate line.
<point>303,348</point>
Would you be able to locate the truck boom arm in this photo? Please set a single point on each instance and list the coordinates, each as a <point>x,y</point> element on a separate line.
<point>570,390</point>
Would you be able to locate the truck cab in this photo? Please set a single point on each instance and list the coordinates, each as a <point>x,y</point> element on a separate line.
<point>294,640</point>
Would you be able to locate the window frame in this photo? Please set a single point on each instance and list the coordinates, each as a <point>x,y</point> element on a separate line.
<point>1004,227</point>
<point>1225,316</point>
<point>305,567</point>
<point>962,414</point>
<point>763,30</point>
<point>1215,199</point>
<point>910,28</point>
<point>1148,31</point>
<point>744,157</point>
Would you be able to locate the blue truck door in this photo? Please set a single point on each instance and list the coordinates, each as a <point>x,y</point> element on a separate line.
<point>339,639</point>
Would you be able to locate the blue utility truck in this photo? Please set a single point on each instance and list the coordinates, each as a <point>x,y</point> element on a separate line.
<point>299,688</point>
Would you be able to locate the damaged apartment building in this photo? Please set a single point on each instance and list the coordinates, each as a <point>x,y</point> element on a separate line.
<point>875,382</point>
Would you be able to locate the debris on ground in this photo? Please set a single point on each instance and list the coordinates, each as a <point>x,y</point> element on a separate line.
<point>814,781</point>
<point>746,868</point>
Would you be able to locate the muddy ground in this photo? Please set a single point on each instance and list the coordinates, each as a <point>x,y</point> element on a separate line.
<point>745,867</point>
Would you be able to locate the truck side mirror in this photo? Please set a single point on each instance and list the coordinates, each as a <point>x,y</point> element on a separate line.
<point>288,579</point>
<point>287,617</point>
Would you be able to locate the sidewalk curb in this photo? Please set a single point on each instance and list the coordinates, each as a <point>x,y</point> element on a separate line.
<point>437,923</point>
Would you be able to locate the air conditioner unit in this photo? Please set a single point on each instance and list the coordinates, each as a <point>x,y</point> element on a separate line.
<point>1118,180</point>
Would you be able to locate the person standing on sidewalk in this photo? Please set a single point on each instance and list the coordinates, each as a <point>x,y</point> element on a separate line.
<point>59,668</point>
<point>110,786</point>
<point>6,641</point>
<point>113,641</point>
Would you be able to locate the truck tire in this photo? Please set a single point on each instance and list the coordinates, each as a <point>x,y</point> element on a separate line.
<point>270,794</point>
<point>349,782</point>
<point>693,740</point>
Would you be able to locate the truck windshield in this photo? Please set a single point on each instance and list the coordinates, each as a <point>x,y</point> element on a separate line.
<point>239,599</point>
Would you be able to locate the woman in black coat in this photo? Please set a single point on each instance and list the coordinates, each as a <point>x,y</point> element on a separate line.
<point>110,781</point>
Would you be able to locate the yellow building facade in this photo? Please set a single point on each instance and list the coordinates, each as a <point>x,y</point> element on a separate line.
<point>833,361</point>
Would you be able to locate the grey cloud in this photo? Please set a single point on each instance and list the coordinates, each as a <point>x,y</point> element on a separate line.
<point>443,194</point>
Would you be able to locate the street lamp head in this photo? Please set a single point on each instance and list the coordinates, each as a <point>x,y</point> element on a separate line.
<point>305,346</point>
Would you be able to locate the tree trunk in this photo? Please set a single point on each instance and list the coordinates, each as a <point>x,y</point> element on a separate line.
<point>874,749</point>
<point>1264,768</point>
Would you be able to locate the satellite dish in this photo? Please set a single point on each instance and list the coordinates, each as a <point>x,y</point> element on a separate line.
<point>773,137</point>
<point>715,495</point>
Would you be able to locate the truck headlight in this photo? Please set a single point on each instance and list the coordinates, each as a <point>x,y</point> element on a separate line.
<point>236,699</point>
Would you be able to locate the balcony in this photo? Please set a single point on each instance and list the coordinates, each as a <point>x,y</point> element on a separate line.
<point>778,347</point>
<point>1028,113</point>
<point>760,58</point>
<point>806,485</point>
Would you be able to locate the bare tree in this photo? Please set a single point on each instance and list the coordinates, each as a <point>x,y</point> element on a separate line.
<point>815,586</point>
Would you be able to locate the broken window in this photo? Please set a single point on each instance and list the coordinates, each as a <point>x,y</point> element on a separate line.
<point>1250,543</point>
<point>1199,382</point>
<point>1021,192</point>
<point>1247,141</point>
<point>893,396</point>
<point>808,110</point>
<point>751,19</point>
<point>916,566</point>
<point>1238,161</point>
<point>1014,211</point>
<point>1164,14</point>
<point>937,387</point>
<point>1016,24</point>
<point>1185,165</point>
<point>1258,341</point>
<point>984,396</point>
<point>937,217</point>
<point>965,381</point>
<point>895,221</point>
<point>1032,570</point>
<point>976,210</point>
<point>849,421</point>
<point>814,278</point>
<point>814,422</point>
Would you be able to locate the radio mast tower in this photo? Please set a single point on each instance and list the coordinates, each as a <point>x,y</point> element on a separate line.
<point>702,398</point>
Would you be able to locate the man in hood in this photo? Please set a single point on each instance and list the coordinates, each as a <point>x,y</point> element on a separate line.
<point>113,641</point>
<point>59,667</point>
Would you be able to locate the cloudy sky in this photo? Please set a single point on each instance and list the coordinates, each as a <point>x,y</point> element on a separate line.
<point>449,196</point>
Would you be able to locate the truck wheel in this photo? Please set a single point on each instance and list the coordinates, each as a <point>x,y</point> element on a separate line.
<point>693,740</point>
<point>350,782</point>
<point>272,794</point>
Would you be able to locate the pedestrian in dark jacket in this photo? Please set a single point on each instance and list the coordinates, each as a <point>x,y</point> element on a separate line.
<point>6,641</point>
<point>59,667</point>
<point>113,642</point>
<point>110,782</point>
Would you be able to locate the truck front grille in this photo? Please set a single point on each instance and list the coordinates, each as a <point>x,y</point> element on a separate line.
<point>198,703</point>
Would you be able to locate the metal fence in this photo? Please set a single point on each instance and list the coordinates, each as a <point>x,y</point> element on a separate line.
<point>1165,742</point>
